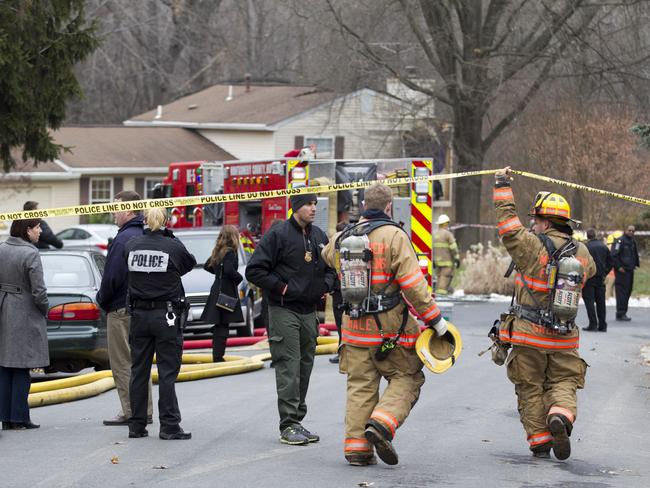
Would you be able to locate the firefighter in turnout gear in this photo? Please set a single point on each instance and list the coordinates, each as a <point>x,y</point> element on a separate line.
<point>544,363</point>
<point>445,255</point>
<point>381,344</point>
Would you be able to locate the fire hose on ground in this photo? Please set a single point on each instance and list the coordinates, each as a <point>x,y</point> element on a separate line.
<point>195,367</point>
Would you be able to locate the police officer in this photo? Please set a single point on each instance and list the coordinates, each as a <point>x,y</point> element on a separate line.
<point>594,289</point>
<point>445,255</point>
<point>371,420</point>
<point>626,259</point>
<point>287,265</point>
<point>544,363</point>
<point>156,262</point>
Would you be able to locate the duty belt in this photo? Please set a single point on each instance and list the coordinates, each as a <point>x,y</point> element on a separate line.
<point>154,304</point>
<point>9,288</point>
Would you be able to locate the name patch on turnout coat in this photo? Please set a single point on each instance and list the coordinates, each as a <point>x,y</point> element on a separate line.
<point>147,261</point>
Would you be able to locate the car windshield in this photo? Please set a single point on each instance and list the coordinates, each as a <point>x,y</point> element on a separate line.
<point>199,245</point>
<point>65,271</point>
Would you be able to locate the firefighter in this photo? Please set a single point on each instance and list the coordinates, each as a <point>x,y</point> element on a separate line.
<point>156,298</point>
<point>544,363</point>
<point>381,345</point>
<point>445,255</point>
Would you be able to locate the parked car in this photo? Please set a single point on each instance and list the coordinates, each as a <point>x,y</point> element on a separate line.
<point>91,237</point>
<point>197,283</point>
<point>76,326</point>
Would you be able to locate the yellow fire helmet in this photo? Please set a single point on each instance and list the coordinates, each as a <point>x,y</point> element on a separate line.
<point>439,353</point>
<point>551,205</point>
<point>613,236</point>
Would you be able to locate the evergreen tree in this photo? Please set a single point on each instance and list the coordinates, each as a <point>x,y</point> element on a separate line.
<point>40,42</point>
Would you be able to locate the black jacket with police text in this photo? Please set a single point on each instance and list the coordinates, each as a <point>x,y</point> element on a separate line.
<point>279,260</point>
<point>156,262</point>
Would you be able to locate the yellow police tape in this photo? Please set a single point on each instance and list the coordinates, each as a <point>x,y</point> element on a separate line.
<point>195,367</point>
<point>258,195</point>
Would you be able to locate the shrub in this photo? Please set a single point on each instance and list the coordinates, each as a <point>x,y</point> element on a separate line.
<point>484,270</point>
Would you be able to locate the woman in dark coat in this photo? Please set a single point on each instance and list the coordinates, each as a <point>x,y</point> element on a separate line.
<point>23,325</point>
<point>223,263</point>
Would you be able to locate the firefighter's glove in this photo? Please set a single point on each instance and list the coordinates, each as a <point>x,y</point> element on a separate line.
<point>457,263</point>
<point>503,176</point>
<point>440,327</point>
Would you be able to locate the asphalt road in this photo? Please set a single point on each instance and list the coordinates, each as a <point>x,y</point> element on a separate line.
<point>464,431</point>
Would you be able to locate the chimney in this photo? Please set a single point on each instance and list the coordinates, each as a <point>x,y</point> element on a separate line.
<point>247,78</point>
<point>158,112</point>
<point>229,97</point>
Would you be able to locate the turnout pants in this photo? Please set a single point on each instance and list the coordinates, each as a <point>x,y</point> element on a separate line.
<point>623,285</point>
<point>292,339</point>
<point>403,371</point>
<point>594,293</point>
<point>119,355</point>
<point>545,383</point>
<point>150,334</point>
<point>443,279</point>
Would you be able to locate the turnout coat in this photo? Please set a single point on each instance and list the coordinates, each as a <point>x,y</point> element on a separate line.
<point>23,306</point>
<point>228,285</point>
<point>531,258</point>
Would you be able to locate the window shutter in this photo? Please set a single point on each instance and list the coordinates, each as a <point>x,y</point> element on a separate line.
<point>84,196</point>
<point>118,185</point>
<point>339,146</point>
<point>299,142</point>
<point>139,187</point>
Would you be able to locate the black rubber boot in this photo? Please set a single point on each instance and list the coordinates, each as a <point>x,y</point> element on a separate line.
<point>560,428</point>
<point>379,437</point>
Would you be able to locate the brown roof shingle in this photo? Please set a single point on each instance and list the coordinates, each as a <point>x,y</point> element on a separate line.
<point>263,104</point>
<point>118,146</point>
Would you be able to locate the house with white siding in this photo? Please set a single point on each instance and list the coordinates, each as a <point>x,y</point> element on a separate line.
<point>262,121</point>
<point>98,163</point>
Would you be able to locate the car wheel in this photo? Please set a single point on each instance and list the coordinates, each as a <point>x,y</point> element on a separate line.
<point>247,330</point>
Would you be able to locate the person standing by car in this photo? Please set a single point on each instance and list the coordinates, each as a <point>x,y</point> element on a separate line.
<point>112,299</point>
<point>287,265</point>
<point>23,326</point>
<point>223,264</point>
<point>156,262</point>
<point>47,238</point>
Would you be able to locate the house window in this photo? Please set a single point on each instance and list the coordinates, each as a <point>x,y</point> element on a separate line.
<point>324,146</point>
<point>149,184</point>
<point>101,190</point>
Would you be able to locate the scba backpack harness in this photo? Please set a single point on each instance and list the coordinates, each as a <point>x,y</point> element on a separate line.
<point>565,277</point>
<point>354,264</point>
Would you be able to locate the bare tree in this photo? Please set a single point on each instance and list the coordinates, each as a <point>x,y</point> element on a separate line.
<point>491,58</point>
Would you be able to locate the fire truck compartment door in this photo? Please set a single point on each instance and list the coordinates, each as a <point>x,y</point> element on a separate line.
<point>402,212</point>
<point>322,213</point>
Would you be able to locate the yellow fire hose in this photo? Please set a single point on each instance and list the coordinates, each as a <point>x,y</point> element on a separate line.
<point>195,367</point>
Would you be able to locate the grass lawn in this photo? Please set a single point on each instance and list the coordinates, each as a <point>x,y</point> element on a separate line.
<point>642,279</point>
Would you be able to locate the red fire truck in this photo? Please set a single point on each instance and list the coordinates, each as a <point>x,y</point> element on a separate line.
<point>191,178</point>
<point>414,205</point>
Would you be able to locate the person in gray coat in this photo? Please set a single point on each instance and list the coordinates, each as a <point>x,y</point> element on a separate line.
<point>23,326</point>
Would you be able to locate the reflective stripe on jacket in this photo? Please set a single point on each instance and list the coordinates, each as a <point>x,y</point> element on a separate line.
<point>531,258</point>
<point>445,249</point>
<point>393,262</point>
